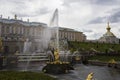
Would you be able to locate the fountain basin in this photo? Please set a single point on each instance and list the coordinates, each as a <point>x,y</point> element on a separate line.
<point>57,67</point>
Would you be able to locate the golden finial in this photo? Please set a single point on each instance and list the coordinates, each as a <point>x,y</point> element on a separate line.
<point>108,27</point>
<point>90,76</point>
<point>108,24</point>
<point>15,16</point>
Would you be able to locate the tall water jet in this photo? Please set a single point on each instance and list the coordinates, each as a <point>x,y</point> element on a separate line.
<point>54,23</point>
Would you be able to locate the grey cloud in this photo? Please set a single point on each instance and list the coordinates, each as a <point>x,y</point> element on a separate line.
<point>96,35</point>
<point>87,30</point>
<point>23,14</point>
<point>118,29</point>
<point>68,2</point>
<point>114,17</point>
<point>98,20</point>
<point>13,2</point>
<point>93,35</point>
<point>14,6</point>
<point>40,11</point>
<point>17,1</point>
<point>105,2</point>
<point>22,9</point>
<point>71,1</point>
<point>93,2</point>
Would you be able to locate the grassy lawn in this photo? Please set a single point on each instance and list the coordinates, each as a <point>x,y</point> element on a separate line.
<point>100,47</point>
<point>16,75</point>
<point>104,58</point>
<point>97,47</point>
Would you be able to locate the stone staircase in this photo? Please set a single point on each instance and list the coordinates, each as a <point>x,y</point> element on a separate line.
<point>32,57</point>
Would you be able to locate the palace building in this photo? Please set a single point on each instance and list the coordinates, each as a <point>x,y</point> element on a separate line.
<point>15,33</point>
<point>71,35</point>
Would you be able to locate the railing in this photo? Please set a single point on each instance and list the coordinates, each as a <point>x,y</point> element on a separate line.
<point>32,57</point>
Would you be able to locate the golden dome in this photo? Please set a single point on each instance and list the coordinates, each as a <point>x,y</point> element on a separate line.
<point>108,33</point>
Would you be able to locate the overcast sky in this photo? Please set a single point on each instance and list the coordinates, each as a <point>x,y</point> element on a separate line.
<point>87,16</point>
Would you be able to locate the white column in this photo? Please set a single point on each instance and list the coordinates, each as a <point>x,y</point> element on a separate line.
<point>10,29</point>
<point>22,30</point>
<point>4,29</point>
<point>14,29</point>
<point>19,30</point>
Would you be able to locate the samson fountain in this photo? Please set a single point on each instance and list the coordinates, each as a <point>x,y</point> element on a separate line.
<point>57,66</point>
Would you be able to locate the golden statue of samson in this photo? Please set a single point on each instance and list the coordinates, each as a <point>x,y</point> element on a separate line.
<point>56,55</point>
<point>90,76</point>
